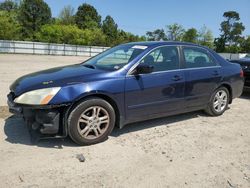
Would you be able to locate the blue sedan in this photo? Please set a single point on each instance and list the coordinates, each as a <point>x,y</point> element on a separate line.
<point>128,83</point>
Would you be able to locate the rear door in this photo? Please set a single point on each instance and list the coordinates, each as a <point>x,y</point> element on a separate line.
<point>202,75</point>
<point>159,92</point>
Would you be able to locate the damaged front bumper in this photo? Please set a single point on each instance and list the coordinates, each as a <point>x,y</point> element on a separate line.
<point>49,120</point>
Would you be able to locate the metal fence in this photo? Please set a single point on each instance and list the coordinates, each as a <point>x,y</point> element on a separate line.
<point>25,47</point>
<point>231,56</point>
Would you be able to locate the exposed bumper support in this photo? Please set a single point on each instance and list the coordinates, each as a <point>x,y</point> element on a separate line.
<point>46,120</point>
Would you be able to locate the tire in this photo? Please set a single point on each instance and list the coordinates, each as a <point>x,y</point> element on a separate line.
<point>91,121</point>
<point>214,110</point>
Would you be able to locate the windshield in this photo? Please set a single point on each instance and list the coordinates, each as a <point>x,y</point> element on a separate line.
<point>115,58</point>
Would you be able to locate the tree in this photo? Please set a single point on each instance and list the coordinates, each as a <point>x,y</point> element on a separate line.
<point>190,35</point>
<point>87,17</point>
<point>124,37</point>
<point>175,32</point>
<point>231,30</point>
<point>205,37</point>
<point>245,45</point>
<point>110,29</point>
<point>8,5</point>
<point>219,44</point>
<point>66,15</point>
<point>156,35</point>
<point>9,29</point>
<point>32,15</point>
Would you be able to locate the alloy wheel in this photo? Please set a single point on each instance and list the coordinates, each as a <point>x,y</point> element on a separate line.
<point>220,101</point>
<point>93,122</point>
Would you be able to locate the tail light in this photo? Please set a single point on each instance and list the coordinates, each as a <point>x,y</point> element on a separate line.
<point>241,73</point>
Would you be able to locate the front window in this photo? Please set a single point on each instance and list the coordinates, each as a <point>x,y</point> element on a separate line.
<point>115,58</point>
<point>163,59</point>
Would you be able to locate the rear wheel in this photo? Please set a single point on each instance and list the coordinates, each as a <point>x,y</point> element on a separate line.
<point>91,121</point>
<point>219,102</point>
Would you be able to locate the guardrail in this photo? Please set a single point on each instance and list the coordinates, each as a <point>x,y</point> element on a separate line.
<point>25,47</point>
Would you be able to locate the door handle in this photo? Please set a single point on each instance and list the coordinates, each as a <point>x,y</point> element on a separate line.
<point>177,78</point>
<point>215,73</point>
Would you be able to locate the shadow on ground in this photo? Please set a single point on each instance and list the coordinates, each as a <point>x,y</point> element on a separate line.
<point>245,95</point>
<point>17,132</point>
<point>165,121</point>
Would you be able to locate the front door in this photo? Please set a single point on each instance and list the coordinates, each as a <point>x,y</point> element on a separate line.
<point>159,92</point>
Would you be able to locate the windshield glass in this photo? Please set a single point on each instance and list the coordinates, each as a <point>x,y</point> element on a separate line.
<point>115,58</point>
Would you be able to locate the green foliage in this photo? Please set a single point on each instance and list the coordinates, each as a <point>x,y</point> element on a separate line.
<point>70,34</point>
<point>233,49</point>
<point>156,35</point>
<point>110,29</point>
<point>8,6</point>
<point>66,16</point>
<point>245,44</point>
<point>175,32</point>
<point>9,28</point>
<point>31,20</point>
<point>220,45</point>
<point>231,30</point>
<point>125,37</point>
<point>205,37</point>
<point>32,15</point>
<point>191,35</point>
<point>87,17</point>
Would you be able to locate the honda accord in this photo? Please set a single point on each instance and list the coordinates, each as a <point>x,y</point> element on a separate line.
<point>128,83</point>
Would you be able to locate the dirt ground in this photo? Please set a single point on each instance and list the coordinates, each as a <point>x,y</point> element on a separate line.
<point>189,150</point>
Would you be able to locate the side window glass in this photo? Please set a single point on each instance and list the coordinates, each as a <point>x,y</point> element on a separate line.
<point>163,59</point>
<point>195,58</point>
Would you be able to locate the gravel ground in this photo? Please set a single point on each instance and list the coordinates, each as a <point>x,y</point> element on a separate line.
<point>189,150</point>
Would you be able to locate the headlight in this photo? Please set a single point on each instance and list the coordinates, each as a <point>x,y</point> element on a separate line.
<point>37,97</point>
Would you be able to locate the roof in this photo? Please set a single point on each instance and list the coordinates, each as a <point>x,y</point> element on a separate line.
<point>160,43</point>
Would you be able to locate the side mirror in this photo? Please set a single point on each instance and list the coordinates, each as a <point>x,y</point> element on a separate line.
<point>144,69</point>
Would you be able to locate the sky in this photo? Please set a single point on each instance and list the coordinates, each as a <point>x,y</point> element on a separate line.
<point>140,16</point>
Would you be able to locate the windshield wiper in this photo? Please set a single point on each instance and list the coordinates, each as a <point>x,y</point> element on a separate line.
<point>89,66</point>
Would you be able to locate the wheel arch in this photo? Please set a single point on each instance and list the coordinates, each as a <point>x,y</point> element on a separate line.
<point>101,96</point>
<point>229,88</point>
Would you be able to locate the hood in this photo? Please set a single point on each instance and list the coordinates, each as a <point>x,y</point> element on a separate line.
<point>55,77</point>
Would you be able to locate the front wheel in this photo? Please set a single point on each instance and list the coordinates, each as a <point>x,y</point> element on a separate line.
<point>219,102</point>
<point>91,121</point>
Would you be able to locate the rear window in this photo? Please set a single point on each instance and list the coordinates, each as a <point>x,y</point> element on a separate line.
<point>195,57</point>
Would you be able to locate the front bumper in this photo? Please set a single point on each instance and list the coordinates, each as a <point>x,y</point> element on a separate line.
<point>13,108</point>
<point>47,120</point>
